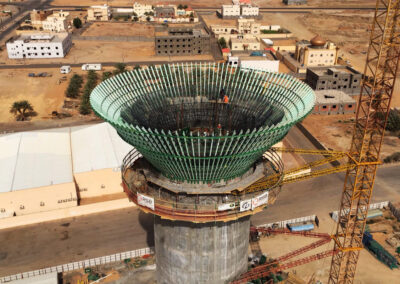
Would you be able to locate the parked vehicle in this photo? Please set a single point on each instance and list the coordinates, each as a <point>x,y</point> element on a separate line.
<point>301,226</point>
<point>65,69</point>
<point>31,75</point>
<point>92,66</point>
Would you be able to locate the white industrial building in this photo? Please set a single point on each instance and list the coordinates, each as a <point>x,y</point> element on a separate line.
<point>42,45</point>
<point>239,10</point>
<point>254,62</point>
<point>230,11</point>
<point>249,11</point>
<point>54,169</point>
<point>56,22</point>
<point>141,9</point>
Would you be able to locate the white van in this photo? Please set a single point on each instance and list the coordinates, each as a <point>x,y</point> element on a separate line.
<point>65,69</point>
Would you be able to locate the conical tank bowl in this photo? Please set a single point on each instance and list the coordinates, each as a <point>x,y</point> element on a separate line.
<point>202,122</point>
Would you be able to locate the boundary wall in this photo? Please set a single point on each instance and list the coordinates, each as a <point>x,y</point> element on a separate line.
<point>282,224</point>
<point>80,264</point>
<point>378,205</point>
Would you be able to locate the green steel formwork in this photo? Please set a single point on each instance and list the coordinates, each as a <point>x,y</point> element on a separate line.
<point>174,116</point>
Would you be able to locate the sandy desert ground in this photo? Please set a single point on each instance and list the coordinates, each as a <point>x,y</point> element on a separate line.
<point>119,29</point>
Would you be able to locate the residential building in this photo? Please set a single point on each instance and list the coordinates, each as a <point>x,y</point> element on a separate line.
<point>343,78</point>
<point>294,2</point>
<point>39,46</point>
<point>57,22</point>
<point>223,30</point>
<point>333,102</point>
<point>281,44</point>
<point>141,9</point>
<point>248,26</point>
<point>244,44</point>
<point>249,11</point>
<point>182,41</point>
<point>38,16</point>
<point>99,13</point>
<point>165,11</point>
<point>230,11</point>
<point>317,52</point>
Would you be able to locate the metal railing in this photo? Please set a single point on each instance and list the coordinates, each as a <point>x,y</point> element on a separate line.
<point>220,207</point>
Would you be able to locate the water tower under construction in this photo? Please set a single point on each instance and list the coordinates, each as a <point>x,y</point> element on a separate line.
<point>202,134</point>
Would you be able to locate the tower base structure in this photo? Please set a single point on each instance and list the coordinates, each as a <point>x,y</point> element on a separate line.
<point>189,252</point>
<point>201,231</point>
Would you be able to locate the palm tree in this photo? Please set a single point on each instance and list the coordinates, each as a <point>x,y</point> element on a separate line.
<point>22,110</point>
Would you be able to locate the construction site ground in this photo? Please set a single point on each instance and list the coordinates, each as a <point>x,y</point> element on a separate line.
<point>46,94</point>
<point>119,29</point>
<point>335,132</point>
<point>142,269</point>
<point>369,270</point>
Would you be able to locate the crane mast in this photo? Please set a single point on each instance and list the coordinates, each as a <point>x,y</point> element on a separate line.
<point>371,118</point>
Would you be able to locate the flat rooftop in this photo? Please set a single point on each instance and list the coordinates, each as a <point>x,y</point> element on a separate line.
<point>244,40</point>
<point>323,71</point>
<point>40,37</point>
<point>332,96</point>
<point>180,30</point>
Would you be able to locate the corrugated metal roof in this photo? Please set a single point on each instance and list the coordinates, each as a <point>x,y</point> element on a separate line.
<point>41,158</point>
<point>8,159</point>
<point>44,158</point>
<point>97,147</point>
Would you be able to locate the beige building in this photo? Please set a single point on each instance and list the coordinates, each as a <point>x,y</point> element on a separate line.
<point>99,13</point>
<point>248,26</point>
<point>230,11</point>
<point>249,11</point>
<point>244,44</point>
<point>316,53</point>
<point>36,173</point>
<point>141,9</point>
<point>223,30</point>
<point>57,168</point>
<point>38,16</point>
<point>57,22</point>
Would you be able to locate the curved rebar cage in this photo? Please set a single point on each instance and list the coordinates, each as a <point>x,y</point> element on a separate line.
<point>202,122</point>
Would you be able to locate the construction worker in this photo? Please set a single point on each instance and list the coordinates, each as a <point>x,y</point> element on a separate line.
<point>226,99</point>
<point>222,94</point>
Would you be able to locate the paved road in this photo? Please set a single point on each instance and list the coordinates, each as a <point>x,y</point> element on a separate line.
<point>52,243</point>
<point>57,65</point>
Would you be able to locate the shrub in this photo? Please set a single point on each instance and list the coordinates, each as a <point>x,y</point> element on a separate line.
<point>77,23</point>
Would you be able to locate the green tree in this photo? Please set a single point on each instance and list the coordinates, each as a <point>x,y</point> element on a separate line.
<point>185,6</point>
<point>222,42</point>
<point>74,86</point>
<point>180,6</point>
<point>398,250</point>
<point>77,23</point>
<point>137,67</point>
<point>91,82</point>
<point>22,110</point>
<point>148,19</point>
<point>119,68</point>
<point>106,75</point>
<point>135,19</point>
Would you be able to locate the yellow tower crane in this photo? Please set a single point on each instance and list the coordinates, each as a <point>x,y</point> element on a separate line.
<point>371,118</point>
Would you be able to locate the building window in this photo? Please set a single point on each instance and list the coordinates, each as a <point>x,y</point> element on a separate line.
<point>334,106</point>
<point>159,46</point>
<point>324,107</point>
<point>158,40</point>
<point>2,210</point>
<point>56,53</point>
<point>350,106</point>
<point>56,47</point>
<point>41,203</point>
<point>332,54</point>
<point>159,52</point>
<point>321,55</point>
<point>312,55</point>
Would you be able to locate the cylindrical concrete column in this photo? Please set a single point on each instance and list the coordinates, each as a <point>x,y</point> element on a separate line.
<point>200,253</point>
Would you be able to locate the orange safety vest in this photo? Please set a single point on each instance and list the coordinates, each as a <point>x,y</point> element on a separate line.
<point>226,99</point>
